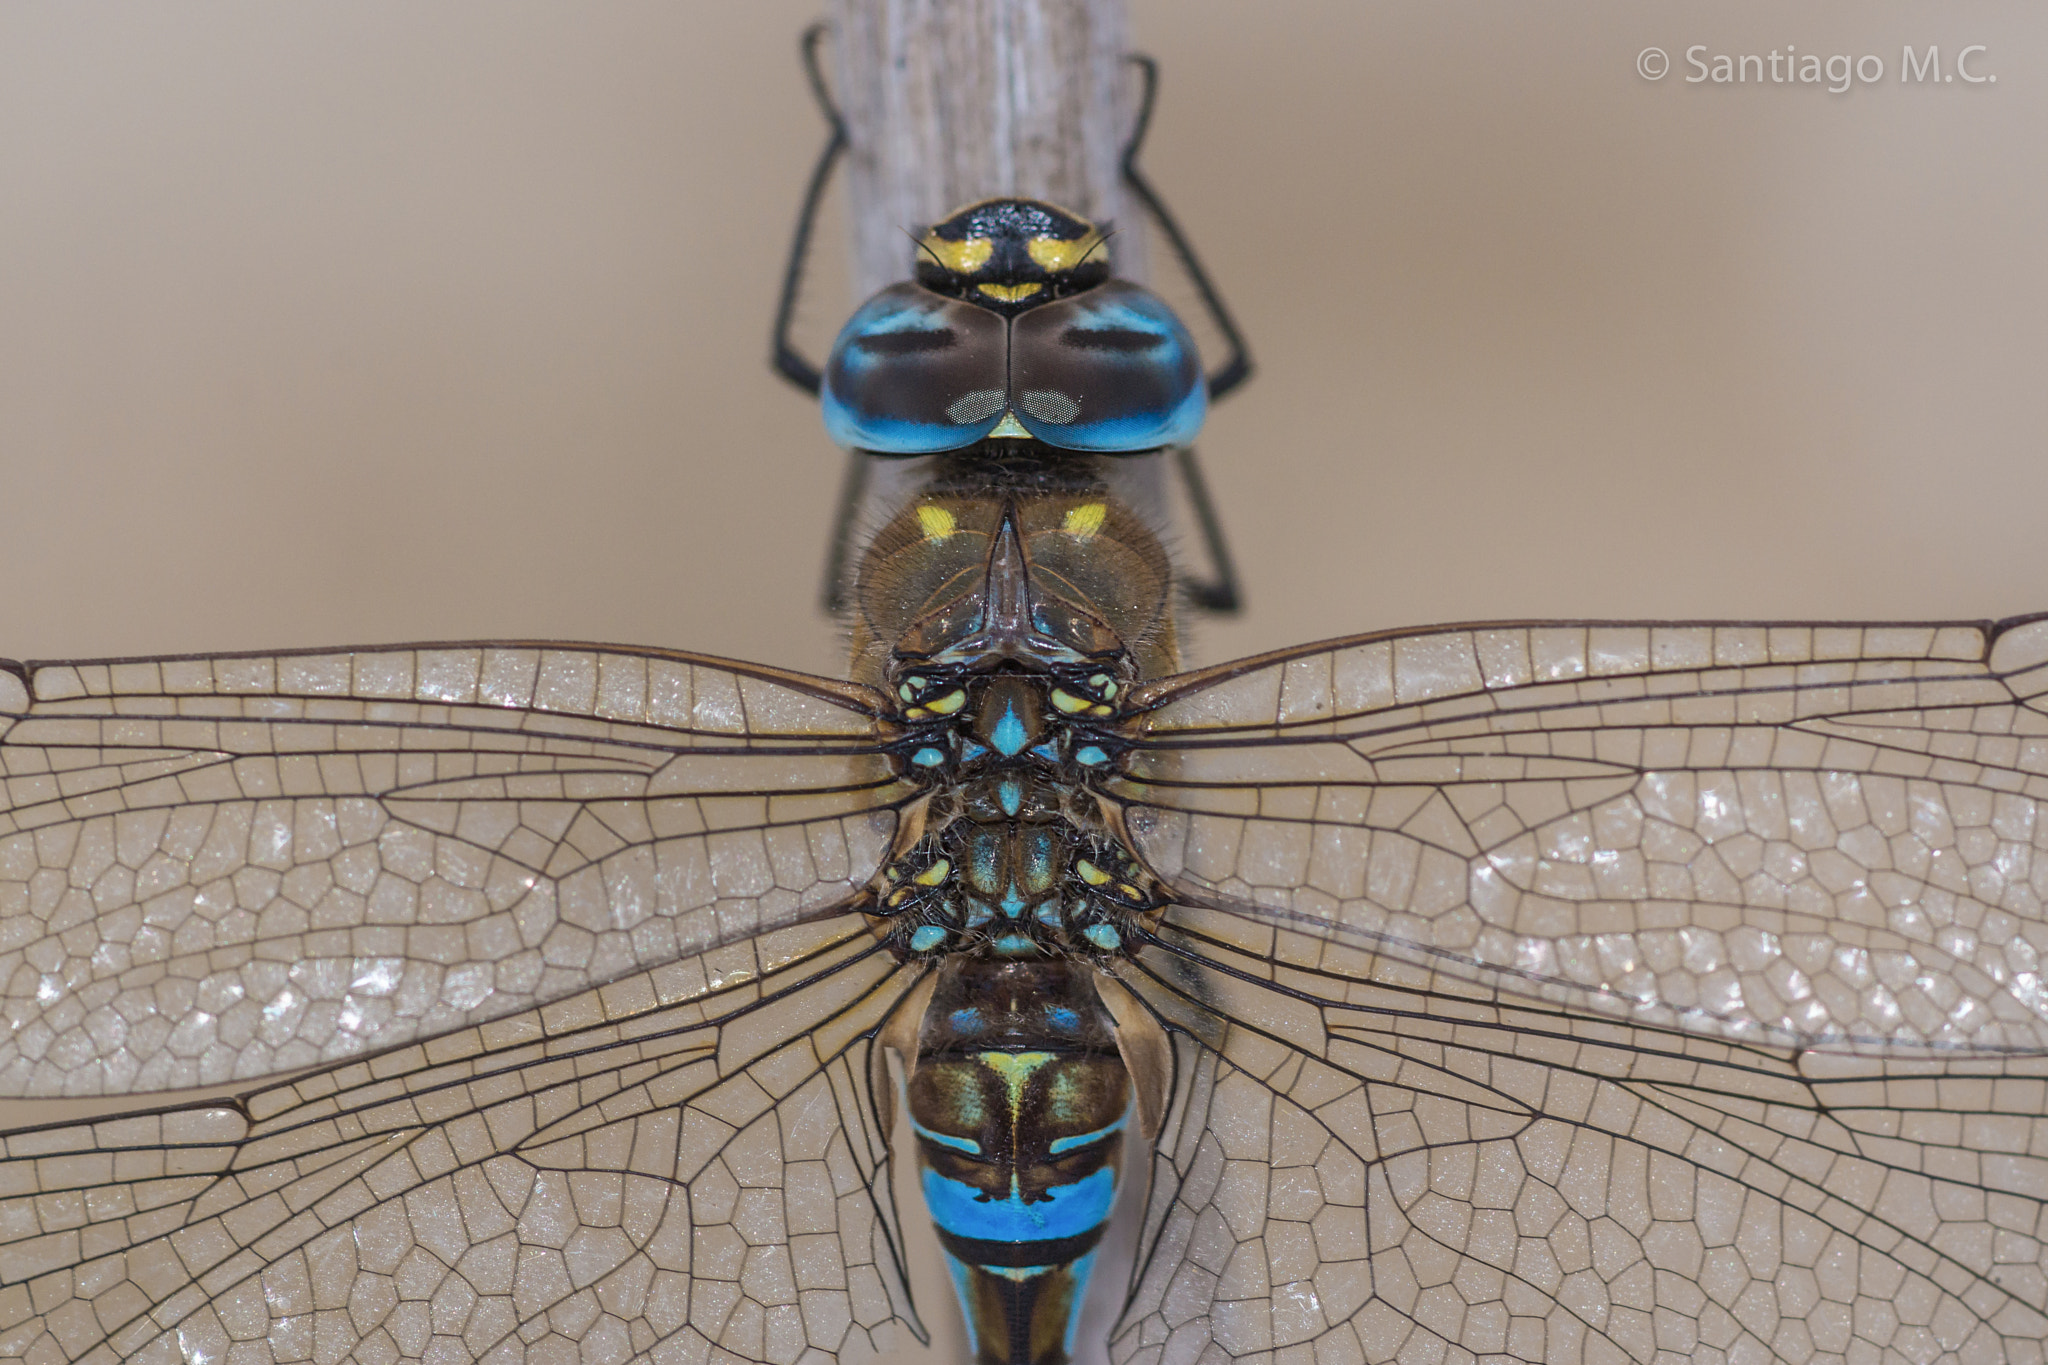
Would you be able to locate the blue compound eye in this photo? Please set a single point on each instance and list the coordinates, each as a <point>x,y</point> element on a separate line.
<point>1111,369</point>
<point>914,373</point>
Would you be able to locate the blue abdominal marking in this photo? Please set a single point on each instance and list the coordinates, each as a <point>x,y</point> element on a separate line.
<point>1066,1210</point>
<point>1010,795</point>
<point>1068,1144</point>
<point>960,1144</point>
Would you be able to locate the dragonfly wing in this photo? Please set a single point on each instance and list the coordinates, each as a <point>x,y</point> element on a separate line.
<point>1821,835</point>
<point>676,1164</point>
<point>222,869</point>
<point>1572,992</point>
<point>1410,1177</point>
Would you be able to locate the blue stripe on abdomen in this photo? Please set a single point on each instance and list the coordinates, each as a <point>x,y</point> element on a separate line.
<point>1066,1211</point>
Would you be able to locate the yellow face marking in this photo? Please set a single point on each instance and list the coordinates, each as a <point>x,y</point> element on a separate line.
<point>1010,429</point>
<point>1084,521</point>
<point>936,522</point>
<point>1053,255</point>
<point>1010,293</point>
<point>963,257</point>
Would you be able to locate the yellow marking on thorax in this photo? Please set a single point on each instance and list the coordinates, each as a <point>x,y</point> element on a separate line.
<point>1085,520</point>
<point>936,522</point>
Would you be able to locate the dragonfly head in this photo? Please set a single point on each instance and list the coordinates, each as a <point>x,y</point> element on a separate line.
<point>1011,254</point>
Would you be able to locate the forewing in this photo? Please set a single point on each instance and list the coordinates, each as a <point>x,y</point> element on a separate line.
<point>676,1164</point>
<point>1577,993</point>
<point>223,869</point>
<point>1812,835</point>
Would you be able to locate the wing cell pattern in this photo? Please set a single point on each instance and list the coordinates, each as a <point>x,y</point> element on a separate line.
<point>1444,1175</point>
<point>223,869</point>
<point>1574,994</point>
<point>1807,834</point>
<point>1587,994</point>
<point>673,1167</point>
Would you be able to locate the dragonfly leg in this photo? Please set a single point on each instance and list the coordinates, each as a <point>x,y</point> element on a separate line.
<point>786,359</point>
<point>1238,367</point>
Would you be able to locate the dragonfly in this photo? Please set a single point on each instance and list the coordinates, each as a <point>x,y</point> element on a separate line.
<point>1532,991</point>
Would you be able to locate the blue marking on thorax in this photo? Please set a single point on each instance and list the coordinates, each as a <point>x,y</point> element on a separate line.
<point>1065,1019</point>
<point>965,1021</point>
<point>1010,736</point>
<point>984,861</point>
<point>1048,751</point>
<point>1039,848</point>
<point>928,757</point>
<point>1010,795</point>
<point>971,750</point>
<point>1067,1210</point>
<point>1090,756</point>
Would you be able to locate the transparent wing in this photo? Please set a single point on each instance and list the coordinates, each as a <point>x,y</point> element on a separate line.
<point>224,869</point>
<point>674,1166</point>
<point>1593,992</point>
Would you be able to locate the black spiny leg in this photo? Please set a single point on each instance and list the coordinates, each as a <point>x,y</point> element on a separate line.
<point>853,487</point>
<point>786,360</point>
<point>1238,367</point>
<point>1220,594</point>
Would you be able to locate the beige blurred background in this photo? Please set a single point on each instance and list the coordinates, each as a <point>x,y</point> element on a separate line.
<point>352,322</point>
<point>366,321</point>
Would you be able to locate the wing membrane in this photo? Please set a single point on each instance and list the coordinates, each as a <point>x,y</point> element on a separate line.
<point>678,1163</point>
<point>1817,835</point>
<point>222,869</point>
<point>1457,1173</point>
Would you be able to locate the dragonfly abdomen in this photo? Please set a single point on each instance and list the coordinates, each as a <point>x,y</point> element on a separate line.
<point>1019,1099</point>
